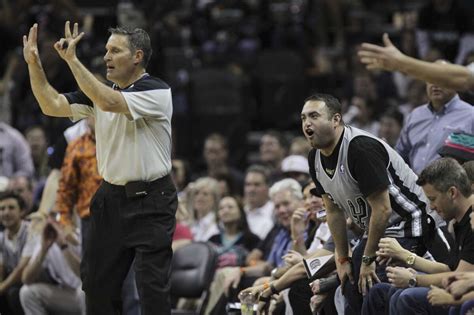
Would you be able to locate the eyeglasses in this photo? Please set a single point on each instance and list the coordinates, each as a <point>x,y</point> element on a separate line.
<point>10,207</point>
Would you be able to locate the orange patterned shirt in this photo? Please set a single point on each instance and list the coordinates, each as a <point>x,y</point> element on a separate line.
<point>79,179</point>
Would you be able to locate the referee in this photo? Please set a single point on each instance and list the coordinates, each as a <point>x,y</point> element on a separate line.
<point>133,211</point>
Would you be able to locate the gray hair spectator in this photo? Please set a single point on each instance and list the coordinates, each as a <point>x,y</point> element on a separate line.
<point>287,184</point>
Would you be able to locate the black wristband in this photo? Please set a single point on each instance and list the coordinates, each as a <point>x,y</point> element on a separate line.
<point>273,289</point>
<point>64,246</point>
<point>264,299</point>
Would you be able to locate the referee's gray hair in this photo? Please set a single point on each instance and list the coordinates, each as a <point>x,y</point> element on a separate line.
<point>288,184</point>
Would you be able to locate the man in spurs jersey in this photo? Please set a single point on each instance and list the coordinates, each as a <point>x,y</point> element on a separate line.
<point>360,176</point>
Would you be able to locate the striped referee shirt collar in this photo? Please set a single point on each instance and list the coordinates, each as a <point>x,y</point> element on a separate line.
<point>116,87</point>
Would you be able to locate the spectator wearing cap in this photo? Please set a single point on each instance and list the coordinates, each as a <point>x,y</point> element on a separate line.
<point>296,167</point>
<point>428,126</point>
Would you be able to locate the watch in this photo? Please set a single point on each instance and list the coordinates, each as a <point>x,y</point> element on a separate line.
<point>410,260</point>
<point>367,260</point>
<point>412,282</point>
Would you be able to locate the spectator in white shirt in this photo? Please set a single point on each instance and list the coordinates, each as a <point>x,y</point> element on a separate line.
<point>258,207</point>
<point>58,256</point>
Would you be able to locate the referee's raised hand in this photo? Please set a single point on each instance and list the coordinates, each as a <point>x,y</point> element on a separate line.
<point>30,46</point>
<point>66,46</point>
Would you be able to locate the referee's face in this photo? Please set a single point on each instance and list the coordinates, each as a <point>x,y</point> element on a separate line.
<point>120,61</point>
<point>318,127</point>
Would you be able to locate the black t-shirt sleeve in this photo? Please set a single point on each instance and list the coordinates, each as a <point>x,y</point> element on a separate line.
<point>78,97</point>
<point>319,190</point>
<point>368,161</point>
<point>467,252</point>
<point>215,239</point>
<point>250,241</point>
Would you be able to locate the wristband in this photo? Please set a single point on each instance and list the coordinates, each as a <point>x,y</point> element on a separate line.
<point>64,246</point>
<point>343,260</point>
<point>273,289</point>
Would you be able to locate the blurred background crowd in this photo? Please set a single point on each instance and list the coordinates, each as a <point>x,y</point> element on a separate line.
<point>241,67</point>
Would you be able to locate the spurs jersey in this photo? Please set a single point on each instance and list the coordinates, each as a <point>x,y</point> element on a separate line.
<point>408,202</point>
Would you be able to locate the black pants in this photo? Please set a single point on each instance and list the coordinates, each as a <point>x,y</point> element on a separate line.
<point>122,229</point>
<point>10,301</point>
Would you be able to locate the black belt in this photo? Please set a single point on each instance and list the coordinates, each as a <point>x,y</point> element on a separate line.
<point>136,189</point>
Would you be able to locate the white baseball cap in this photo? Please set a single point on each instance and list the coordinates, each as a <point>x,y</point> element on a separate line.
<point>295,163</point>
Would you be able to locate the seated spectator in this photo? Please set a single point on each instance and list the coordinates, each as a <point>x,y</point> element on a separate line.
<point>235,240</point>
<point>391,124</point>
<point>216,155</point>
<point>273,149</point>
<point>182,233</point>
<point>23,186</point>
<point>296,278</point>
<point>38,143</point>
<point>257,204</point>
<point>57,256</point>
<point>314,222</point>
<point>203,199</point>
<point>227,185</point>
<point>447,186</point>
<point>361,114</point>
<point>15,252</point>
<point>287,197</point>
<point>300,146</point>
<point>15,153</point>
